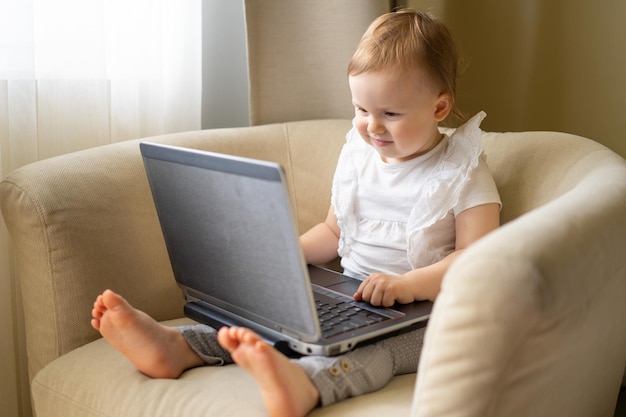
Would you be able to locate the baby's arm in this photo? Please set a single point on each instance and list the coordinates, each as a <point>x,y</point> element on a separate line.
<point>425,283</point>
<point>320,243</point>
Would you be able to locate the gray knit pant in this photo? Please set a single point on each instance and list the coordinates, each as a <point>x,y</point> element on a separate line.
<point>360,371</point>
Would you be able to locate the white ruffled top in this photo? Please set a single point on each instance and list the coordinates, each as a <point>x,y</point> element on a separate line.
<point>395,217</point>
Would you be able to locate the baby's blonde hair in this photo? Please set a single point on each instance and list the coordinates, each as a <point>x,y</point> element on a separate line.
<point>406,40</point>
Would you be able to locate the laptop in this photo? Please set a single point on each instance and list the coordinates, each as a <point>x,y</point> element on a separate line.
<point>233,244</point>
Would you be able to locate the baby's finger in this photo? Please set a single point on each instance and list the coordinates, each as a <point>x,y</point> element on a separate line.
<point>359,294</point>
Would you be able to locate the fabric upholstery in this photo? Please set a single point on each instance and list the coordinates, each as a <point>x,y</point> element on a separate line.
<point>548,334</point>
<point>86,221</point>
<point>530,320</point>
<point>201,392</point>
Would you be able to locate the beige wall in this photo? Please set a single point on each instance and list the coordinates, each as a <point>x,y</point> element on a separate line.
<point>542,65</point>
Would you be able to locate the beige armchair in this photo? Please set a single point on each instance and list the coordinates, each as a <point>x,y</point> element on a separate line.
<point>531,321</point>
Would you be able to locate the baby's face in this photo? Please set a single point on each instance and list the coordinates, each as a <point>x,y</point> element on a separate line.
<point>397,112</point>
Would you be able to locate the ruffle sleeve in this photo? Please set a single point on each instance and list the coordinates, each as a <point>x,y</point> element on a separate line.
<point>442,190</point>
<point>344,188</point>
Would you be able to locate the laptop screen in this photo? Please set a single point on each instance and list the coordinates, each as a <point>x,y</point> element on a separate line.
<point>230,234</point>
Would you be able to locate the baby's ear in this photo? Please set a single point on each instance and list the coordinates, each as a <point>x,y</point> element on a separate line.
<point>443,106</point>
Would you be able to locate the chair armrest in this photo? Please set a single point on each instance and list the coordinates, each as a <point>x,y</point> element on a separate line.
<point>84,222</point>
<point>531,319</point>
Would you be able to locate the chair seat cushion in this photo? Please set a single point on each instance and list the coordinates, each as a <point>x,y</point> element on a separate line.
<point>96,380</point>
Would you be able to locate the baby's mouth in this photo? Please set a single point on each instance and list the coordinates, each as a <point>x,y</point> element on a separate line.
<point>380,142</point>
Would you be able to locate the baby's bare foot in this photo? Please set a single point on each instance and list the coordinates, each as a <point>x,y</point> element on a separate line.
<point>286,388</point>
<point>156,350</point>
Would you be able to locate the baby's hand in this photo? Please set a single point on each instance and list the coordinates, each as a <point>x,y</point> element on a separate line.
<point>382,289</point>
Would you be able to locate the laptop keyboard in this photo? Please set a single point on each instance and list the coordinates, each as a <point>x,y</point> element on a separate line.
<point>339,313</point>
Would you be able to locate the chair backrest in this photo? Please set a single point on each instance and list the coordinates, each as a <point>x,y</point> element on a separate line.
<point>533,168</point>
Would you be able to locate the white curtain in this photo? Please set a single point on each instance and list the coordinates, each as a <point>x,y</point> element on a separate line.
<point>77,73</point>
<point>81,73</point>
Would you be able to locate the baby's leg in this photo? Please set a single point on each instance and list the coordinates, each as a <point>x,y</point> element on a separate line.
<point>156,350</point>
<point>286,389</point>
<point>203,340</point>
<point>293,388</point>
<point>364,369</point>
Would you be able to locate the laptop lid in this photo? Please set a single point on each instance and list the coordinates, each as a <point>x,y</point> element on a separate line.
<point>234,249</point>
<point>255,263</point>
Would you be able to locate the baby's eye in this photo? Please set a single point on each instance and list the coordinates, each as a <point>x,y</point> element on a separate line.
<point>391,114</point>
<point>361,110</point>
